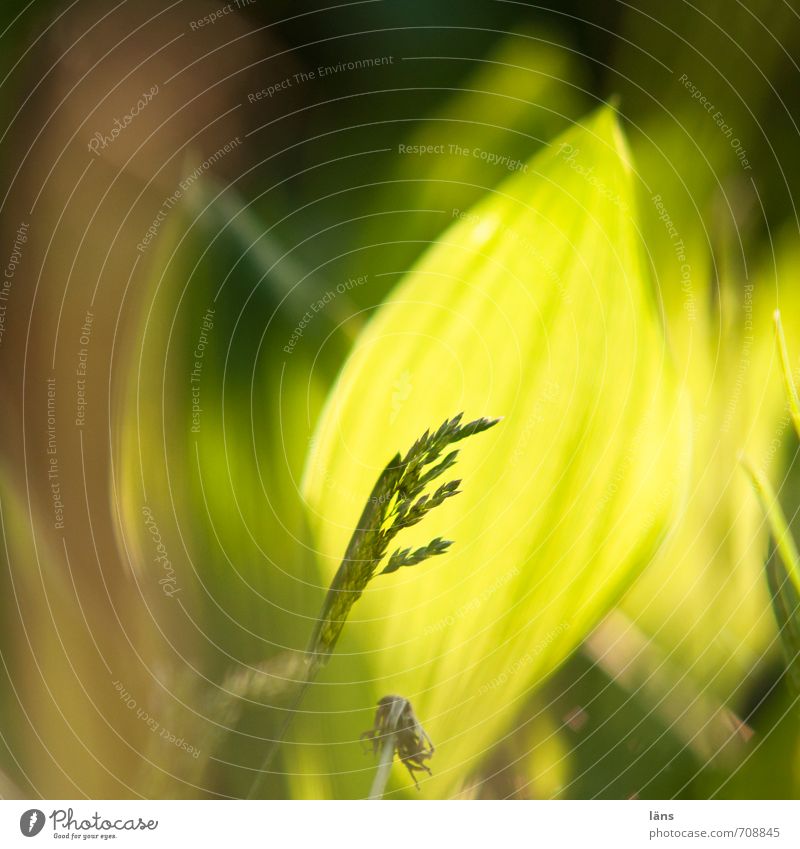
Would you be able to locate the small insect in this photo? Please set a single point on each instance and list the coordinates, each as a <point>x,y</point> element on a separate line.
<point>395,718</point>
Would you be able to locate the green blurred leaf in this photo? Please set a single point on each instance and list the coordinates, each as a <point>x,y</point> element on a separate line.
<point>213,422</point>
<point>704,599</point>
<point>782,572</point>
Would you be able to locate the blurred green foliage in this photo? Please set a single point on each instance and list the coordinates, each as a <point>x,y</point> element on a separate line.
<point>707,249</point>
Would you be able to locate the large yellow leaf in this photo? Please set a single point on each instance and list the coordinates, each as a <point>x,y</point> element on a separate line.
<point>533,306</point>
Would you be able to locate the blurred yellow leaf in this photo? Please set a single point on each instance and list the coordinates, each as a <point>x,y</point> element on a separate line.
<point>533,306</point>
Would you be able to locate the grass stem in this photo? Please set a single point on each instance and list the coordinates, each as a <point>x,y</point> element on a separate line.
<point>786,367</point>
<point>384,768</point>
<point>776,519</point>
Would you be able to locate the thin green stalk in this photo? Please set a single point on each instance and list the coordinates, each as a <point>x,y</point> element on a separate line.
<point>777,521</point>
<point>384,768</point>
<point>786,367</point>
<point>401,498</point>
<point>282,731</point>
